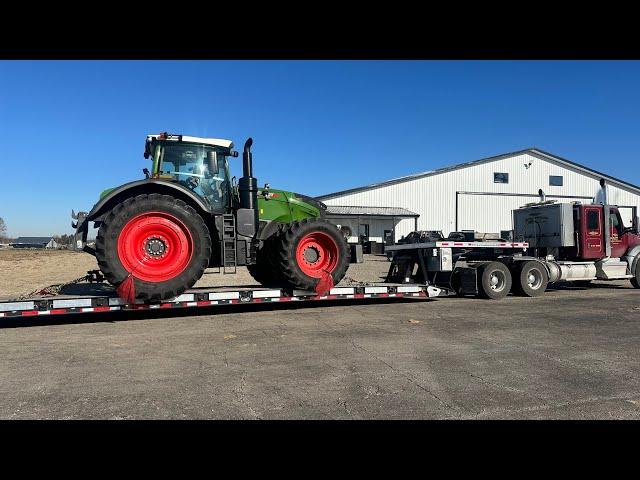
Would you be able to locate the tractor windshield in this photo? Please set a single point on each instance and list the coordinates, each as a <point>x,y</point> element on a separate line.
<point>200,168</point>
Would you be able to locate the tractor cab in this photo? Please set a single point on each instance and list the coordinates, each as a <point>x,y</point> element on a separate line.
<point>199,164</point>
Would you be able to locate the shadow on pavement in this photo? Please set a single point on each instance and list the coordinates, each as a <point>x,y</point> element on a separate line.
<point>122,316</point>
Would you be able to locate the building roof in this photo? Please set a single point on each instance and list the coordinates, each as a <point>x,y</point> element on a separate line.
<point>536,152</point>
<point>33,240</point>
<point>377,211</point>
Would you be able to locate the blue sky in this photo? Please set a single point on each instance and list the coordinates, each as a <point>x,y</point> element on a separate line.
<point>71,129</point>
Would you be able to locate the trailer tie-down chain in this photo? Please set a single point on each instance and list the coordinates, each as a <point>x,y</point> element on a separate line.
<point>55,289</point>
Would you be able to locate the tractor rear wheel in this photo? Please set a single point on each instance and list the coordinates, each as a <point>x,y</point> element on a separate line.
<point>158,240</point>
<point>309,249</point>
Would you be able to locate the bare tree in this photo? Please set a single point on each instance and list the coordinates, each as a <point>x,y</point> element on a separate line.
<point>3,230</point>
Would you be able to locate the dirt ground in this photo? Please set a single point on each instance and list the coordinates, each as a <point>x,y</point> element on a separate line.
<point>23,271</point>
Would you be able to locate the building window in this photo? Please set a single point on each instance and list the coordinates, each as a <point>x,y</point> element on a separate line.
<point>500,177</point>
<point>555,180</point>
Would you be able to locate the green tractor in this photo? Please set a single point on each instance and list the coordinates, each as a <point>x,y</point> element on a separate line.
<point>159,234</point>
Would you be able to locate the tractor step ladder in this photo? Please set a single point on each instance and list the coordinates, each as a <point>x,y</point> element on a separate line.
<point>229,255</point>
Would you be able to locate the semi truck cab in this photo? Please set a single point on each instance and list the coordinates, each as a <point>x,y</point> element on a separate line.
<point>591,232</point>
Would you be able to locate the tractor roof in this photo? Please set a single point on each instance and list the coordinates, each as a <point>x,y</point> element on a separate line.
<point>219,142</point>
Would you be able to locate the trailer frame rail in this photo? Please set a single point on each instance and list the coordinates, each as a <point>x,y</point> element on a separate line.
<point>207,297</point>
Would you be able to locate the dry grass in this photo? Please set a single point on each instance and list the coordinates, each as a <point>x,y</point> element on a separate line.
<point>23,271</point>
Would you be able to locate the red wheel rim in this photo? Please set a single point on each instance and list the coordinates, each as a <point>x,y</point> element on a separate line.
<point>155,246</point>
<point>316,253</point>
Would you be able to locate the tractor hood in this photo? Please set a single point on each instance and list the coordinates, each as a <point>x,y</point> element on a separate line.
<point>286,207</point>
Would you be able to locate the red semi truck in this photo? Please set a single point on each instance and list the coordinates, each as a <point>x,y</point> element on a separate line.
<point>565,242</point>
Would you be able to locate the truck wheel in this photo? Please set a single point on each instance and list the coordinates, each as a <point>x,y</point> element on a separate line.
<point>636,281</point>
<point>495,280</point>
<point>308,249</point>
<point>530,279</point>
<point>160,240</point>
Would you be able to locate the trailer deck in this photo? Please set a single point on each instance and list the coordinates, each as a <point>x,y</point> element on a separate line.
<point>106,300</point>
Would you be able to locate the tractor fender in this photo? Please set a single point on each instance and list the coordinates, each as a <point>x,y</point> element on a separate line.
<point>267,228</point>
<point>146,186</point>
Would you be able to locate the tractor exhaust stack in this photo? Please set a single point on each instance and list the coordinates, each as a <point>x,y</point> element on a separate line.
<point>248,185</point>
<point>248,190</point>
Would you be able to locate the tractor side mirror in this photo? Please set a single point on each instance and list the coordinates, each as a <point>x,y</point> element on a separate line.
<point>146,172</point>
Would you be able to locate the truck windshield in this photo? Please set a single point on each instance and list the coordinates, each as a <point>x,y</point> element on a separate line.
<point>200,168</point>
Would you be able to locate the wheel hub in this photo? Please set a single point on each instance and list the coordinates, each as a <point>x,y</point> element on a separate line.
<point>311,254</point>
<point>496,281</point>
<point>155,247</point>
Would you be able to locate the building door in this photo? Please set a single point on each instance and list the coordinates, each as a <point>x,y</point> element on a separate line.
<point>363,232</point>
<point>388,238</point>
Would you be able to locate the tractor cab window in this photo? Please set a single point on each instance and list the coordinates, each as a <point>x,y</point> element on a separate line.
<point>200,168</point>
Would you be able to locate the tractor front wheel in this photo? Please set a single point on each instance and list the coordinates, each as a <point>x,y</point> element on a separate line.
<point>159,241</point>
<point>308,250</point>
<point>265,271</point>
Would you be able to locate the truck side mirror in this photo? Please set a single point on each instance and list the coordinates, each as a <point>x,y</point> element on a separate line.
<point>636,224</point>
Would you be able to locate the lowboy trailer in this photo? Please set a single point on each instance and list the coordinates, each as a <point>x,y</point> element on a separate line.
<point>107,300</point>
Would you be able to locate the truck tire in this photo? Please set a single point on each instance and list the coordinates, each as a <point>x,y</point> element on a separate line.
<point>307,249</point>
<point>530,279</point>
<point>160,240</point>
<point>636,280</point>
<point>495,280</point>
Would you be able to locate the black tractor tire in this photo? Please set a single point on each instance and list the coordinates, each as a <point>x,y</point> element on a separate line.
<point>530,279</point>
<point>265,271</point>
<point>183,217</point>
<point>636,280</point>
<point>335,251</point>
<point>495,281</point>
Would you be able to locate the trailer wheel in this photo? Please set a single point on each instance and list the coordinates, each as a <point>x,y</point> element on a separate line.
<point>495,280</point>
<point>158,240</point>
<point>307,249</point>
<point>530,279</point>
<point>636,281</point>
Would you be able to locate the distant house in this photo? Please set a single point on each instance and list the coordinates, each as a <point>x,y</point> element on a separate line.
<point>34,242</point>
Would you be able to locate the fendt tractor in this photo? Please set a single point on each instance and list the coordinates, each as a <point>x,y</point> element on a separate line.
<point>550,242</point>
<point>159,234</point>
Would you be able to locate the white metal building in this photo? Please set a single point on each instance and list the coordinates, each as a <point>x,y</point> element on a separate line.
<point>477,195</point>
